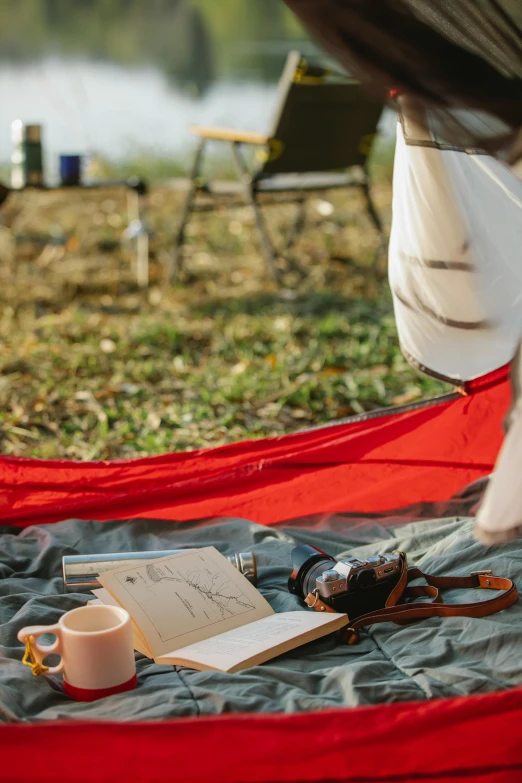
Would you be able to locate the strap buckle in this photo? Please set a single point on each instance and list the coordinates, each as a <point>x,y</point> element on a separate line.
<point>350,635</point>
<point>485,572</point>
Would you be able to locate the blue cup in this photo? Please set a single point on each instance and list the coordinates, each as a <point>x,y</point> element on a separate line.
<point>70,170</point>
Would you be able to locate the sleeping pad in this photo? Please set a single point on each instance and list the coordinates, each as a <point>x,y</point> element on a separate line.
<point>428,659</point>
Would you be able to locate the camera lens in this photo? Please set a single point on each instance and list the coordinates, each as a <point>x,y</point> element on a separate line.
<point>366,579</point>
<point>311,575</point>
<point>308,563</point>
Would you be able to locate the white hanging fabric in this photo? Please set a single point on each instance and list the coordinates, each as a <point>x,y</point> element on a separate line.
<point>455,257</point>
<point>499,517</point>
<point>455,270</point>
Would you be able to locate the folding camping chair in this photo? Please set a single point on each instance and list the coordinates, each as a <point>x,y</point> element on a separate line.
<point>322,134</point>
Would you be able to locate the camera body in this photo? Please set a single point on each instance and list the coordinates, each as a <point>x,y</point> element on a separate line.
<point>352,585</point>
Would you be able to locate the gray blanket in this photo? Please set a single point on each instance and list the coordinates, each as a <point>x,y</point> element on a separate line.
<point>432,658</point>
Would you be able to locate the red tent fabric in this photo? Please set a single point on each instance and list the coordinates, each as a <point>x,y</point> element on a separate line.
<point>418,453</point>
<point>422,452</point>
<point>475,739</point>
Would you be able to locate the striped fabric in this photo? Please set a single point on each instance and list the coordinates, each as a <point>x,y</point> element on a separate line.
<point>455,260</point>
<point>455,268</point>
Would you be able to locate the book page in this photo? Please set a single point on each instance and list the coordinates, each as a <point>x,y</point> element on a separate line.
<point>257,642</point>
<point>181,599</point>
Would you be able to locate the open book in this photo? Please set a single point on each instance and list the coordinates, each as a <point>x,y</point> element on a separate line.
<point>195,609</point>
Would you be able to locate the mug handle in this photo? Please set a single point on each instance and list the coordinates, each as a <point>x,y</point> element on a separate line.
<point>37,652</point>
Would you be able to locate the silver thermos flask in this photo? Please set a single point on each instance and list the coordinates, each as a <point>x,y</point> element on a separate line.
<point>82,571</point>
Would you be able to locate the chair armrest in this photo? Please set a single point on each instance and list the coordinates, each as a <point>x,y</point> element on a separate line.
<point>229,134</point>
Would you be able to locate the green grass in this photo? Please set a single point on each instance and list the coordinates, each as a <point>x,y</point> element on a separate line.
<point>92,368</point>
<point>99,385</point>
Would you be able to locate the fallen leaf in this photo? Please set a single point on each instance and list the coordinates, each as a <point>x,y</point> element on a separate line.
<point>323,208</point>
<point>73,244</point>
<point>238,368</point>
<point>336,370</point>
<point>409,396</point>
<point>129,388</point>
<point>107,346</point>
<point>153,420</point>
<point>83,396</point>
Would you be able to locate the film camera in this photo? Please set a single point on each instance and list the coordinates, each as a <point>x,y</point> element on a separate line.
<point>351,585</point>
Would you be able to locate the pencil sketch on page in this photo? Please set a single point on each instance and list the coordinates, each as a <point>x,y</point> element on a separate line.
<point>184,594</point>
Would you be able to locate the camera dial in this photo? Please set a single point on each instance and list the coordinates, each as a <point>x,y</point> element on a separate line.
<point>330,575</point>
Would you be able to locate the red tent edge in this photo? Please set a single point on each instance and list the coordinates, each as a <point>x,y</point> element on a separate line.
<point>436,740</point>
<point>392,458</point>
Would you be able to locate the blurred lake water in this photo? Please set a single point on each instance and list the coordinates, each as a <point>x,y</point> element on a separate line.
<point>105,109</point>
<point>121,78</point>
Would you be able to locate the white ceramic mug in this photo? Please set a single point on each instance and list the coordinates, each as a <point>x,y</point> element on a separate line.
<point>95,645</point>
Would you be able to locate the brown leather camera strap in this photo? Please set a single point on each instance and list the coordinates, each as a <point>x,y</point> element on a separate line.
<point>400,613</point>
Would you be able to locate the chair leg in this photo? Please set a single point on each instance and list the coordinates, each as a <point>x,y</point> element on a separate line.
<point>176,260</point>
<point>142,259</point>
<point>269,251</point>
<point>298,225</point>
<point>376,220</point>
<point>372,212</point>
<point>136,206</point>
<point>293,235</point>
<point>267,248</point>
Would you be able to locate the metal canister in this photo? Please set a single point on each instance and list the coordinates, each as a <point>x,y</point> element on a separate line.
<point>27,155</point>
<point>70,170</point>
<point>82,571</point>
